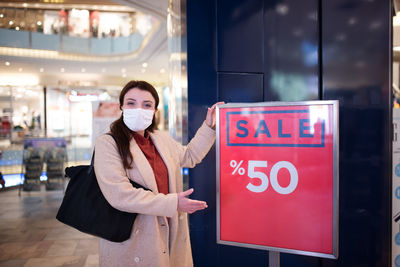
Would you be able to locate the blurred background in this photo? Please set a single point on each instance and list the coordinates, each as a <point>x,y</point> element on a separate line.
<point>63,63</point>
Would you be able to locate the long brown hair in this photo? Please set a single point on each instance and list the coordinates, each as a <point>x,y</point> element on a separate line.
<point>121,132</point>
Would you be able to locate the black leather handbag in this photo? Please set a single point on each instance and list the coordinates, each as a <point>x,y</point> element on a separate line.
<point>85,208</point>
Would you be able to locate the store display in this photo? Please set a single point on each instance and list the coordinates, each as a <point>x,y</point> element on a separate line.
<point>33,165</point>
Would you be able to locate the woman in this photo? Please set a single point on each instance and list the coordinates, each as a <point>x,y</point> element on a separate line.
<point>160,235</point>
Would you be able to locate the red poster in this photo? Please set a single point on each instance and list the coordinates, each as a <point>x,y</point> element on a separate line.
<point>277,176</point>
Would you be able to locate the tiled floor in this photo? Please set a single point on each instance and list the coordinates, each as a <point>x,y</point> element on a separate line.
<point>30,235</point>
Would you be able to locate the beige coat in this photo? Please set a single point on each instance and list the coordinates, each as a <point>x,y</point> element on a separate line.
<point>160,235</point>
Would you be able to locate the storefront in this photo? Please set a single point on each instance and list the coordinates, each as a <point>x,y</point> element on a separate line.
<point>21,112</point>
<point>75,22</point>
<point>77,114</point>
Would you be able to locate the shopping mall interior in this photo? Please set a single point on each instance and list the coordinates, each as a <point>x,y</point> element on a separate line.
<point>64,62</point>
<point>61,59</point>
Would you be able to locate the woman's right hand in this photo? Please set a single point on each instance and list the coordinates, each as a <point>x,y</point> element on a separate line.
<point>189,205</point>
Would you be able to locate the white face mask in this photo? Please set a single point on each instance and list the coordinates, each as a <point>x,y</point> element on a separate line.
<point>137,119</point>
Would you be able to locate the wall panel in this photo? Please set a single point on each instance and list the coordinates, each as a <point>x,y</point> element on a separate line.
<point>300,50</point>
<point>240,87</point>
<point>240,35</point>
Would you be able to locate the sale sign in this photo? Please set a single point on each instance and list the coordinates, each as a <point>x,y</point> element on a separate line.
<point>277,168</point>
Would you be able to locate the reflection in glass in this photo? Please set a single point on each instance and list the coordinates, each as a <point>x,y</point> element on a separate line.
<point>178,71</point>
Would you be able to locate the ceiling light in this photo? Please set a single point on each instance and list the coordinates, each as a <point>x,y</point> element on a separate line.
<point>1,15</point>
<point>39,23</point>
<point>11,22</point>
<point>38,53</point>
<point>18,79</point>
<point>41,69</point>
<point>7,63</point>
<point>83,70</point>
<point>123,70</point>
<point>20,69</point>
<point>144,65</point>
<point>162,70</point>
<point>62,70</point>
<point>24,4</point>
<point>17,28</point>
<point>124,75</point>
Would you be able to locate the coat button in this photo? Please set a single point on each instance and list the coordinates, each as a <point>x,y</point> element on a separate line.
<point>136,259</point>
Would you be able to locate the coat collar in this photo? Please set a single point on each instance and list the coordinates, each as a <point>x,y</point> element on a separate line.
<point>141,164</point>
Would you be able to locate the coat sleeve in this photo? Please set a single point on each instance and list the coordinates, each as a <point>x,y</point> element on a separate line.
<point>119,192</point>
<point>194,152</point>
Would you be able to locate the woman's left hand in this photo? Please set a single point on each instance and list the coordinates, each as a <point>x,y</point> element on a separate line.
<point>210,118</point>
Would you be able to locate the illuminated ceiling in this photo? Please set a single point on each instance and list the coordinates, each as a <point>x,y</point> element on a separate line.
<point>154,55</point>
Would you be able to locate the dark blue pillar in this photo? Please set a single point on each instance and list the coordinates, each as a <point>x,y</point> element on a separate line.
<point>254,51</point>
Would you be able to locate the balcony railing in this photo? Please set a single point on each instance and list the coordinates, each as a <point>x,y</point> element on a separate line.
<point>69,44</point>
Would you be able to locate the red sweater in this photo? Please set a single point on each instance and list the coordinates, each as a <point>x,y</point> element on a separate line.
<point>155,160</point>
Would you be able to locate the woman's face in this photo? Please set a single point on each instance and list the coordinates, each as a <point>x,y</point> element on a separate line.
<point>136,98</point>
